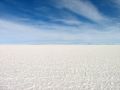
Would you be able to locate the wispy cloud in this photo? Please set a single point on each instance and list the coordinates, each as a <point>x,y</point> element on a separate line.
<point>13,32</point>
<point>84,8</point>
<point>67,22</point>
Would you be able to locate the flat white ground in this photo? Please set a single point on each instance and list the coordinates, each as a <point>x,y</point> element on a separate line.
<point>59,67</point>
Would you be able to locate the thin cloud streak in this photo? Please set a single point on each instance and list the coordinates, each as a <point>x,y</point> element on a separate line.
<point>83,8</point>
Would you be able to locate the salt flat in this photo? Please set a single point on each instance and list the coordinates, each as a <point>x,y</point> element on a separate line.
<point>59,67</point>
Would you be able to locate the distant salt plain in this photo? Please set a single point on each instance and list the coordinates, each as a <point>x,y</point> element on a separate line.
<point>59,67</point>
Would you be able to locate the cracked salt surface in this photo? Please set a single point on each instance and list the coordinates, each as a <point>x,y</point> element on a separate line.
<point>59,67</point>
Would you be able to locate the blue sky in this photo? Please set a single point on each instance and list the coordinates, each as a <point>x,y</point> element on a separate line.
<point>59,21</point>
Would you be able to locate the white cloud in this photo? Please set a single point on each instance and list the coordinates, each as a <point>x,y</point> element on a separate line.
<point>11,31</point>
<point>84,8</point>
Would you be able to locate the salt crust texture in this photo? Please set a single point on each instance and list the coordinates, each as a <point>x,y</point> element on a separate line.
<point>59,67</point>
